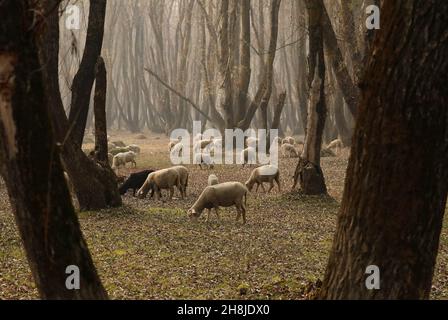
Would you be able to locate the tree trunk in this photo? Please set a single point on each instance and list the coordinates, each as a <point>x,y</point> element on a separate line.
<point>31,167</point>
<point>345,82</point>
<point>99,106</point>
<point>308,171</point>
<point>83,81</point>
<point>396,189</point>
<point>95,188</point>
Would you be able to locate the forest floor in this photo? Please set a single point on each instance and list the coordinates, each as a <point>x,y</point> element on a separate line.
<point>152,250</point>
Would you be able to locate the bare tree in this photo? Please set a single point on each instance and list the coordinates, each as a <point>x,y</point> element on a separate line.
<point>396,188</point>
<point>30,163</point>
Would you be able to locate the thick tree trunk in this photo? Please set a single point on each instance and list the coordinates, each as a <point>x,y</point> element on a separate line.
<point>396,189</point>
<point>31,167</point>
<point>308,171</point>
<point>83,81</point>
<point>95,188</point>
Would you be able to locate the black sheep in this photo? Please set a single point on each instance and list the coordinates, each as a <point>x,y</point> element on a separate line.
<point>135,181</point>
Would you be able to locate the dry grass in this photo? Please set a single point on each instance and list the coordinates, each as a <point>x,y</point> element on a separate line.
<point>151,250</point>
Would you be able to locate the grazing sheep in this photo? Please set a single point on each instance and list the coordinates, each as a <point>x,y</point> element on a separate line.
<point>289,151</point>
<point>119,144</point>
<point>212,180</point>
<point>336,144</point>
<point>122,158</point>
<point>248,156</point>
<point>165,179</point>
<point>277,140</point>
<point>289,140</point>
<point>134,148</point>
<point>251,142</point>
<point>204,159</point>
<point>177,150</point>
<point>268,173</point>
<point>226,194</point>
<point>134,182</point>
<point>183,180</point>
<point>118,150</point>
<point>201,144</point>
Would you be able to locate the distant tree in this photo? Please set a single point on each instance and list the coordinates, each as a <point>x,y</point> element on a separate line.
<point>397,179</point>
<point>30,163</point>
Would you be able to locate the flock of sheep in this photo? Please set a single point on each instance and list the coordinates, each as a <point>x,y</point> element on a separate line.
<point>216,194</point>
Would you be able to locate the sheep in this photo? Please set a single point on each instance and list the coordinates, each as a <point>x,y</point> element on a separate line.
<point>251,142</point>
<point>204,159</point>
<point>134,148</point>
<point>118,150</point>
<point>177,150</point>
<point>201,144</point>
<point>165,179</point>
<point>183,180</point>
<point>336,144</point>
<point>248,156</point>
<point>289,151</point>
<point>226,194</point>
<point>277,140</point>
<point>135,181</point>
<point>289,140</point>
<point>119,144</point>
<point>212,180</point>
<point>122,158</point>
<point>268,173</point>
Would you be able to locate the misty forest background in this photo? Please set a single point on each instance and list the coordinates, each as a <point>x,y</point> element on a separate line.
<point>137,70</point>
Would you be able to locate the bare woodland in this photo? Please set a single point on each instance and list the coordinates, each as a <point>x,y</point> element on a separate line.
<point>366,111</point>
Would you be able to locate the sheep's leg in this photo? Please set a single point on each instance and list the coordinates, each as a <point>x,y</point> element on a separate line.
<point>238,215</point>
<point>208,215</point>
<point>262,187</point>
<point>271,186</point>
<point>171,193</point>
<point>217,213</point>
<point>277,179</point>
<point>258,186</point>
<point>243,209</point>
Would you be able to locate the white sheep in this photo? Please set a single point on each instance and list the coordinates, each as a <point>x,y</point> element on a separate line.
<point>122,159</point>
<point>226,194</point>
<point>201,144</point>
<point>212,180</point>
<point>183,180</point>
<point>177,150</point>
<point>134,148</point>
<point>251,142</point>
<point>204,159</point>
<point>268,173</point>
<point>289,140</point>
<point>165,179</point>
<point>336,144</point>
<point>289,151</point>
<point>248,156</point>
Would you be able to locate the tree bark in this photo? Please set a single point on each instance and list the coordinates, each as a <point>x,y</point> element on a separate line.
<point>95,188</point>
<point>99,106</point>
<point>31,167</point>
<point>308,171</point>
<point>396,188</point>
<point>84,78</point>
